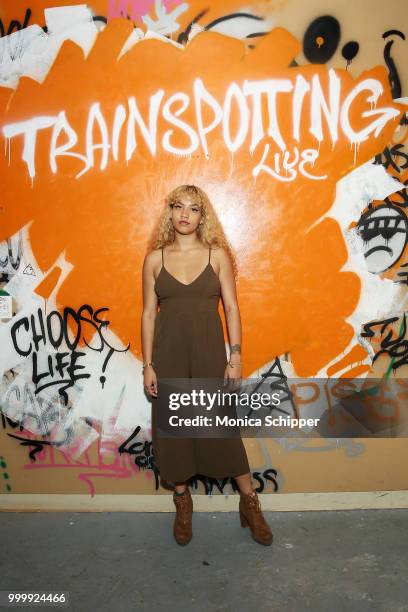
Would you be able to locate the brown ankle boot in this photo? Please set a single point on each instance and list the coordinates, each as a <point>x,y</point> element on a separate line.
<point>251,514</point>
<point>182,529</point>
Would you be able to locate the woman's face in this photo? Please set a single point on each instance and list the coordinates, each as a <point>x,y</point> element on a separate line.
<point>185,215</point>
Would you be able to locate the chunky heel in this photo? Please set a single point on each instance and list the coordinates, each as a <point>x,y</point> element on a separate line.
<point>244,522</point>
<point>251,514</point>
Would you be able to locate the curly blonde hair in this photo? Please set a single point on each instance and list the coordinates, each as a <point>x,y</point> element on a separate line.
<point>210,231</point>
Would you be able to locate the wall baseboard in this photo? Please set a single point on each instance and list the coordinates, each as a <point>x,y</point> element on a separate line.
<point>274,502</point>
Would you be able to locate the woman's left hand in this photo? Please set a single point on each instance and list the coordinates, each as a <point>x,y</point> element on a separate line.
<point>233,376</point>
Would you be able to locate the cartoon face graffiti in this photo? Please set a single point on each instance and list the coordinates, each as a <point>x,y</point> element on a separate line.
<point>384,232</point>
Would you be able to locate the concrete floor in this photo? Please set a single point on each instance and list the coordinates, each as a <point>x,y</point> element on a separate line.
<point>118,562</point>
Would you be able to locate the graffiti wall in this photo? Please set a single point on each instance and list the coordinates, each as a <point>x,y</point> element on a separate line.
<point>292,117</point>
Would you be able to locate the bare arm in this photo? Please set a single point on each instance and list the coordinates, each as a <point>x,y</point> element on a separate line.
<point>229,298</point>
<point>149,307</point>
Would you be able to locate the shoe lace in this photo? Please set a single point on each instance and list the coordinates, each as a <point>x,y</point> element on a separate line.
<point>181,502</point>
<point>254,502</point>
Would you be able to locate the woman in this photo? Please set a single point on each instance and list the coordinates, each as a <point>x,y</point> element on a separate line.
<point>187,269</point>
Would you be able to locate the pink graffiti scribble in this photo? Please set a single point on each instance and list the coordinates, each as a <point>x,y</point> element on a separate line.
<point>136,9</point>
<point>123,465</point>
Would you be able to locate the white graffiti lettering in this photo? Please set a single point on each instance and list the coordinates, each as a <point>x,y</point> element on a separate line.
<point>240,119</point>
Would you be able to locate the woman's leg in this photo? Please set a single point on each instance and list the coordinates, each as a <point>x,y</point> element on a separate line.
<point>244,483</point>
<point>180,487</point>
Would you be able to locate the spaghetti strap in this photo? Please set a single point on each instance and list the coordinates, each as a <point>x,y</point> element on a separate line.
<point>209,254</point>
<point>162,257</point>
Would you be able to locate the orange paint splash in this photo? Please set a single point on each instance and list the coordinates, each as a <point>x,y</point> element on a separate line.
<point>292,293</point>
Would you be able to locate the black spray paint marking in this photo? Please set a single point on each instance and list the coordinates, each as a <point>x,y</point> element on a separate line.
<point>395,346</point>
<point>142,452</point>
<point>11,258</point>
<point>269,475</point>
<point>183,36</point>
<point>279,385</point>
<point>15,24</point>
<point>404,275</point>
<point>212,24</point>
<point>391,156</point>
<point>321,39</point>
<point>62,367</point>
<point>37,444</point>
<point>349,51</point>
<point>393,77</point>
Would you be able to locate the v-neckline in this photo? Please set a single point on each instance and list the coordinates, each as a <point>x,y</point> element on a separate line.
<point>178,281</point>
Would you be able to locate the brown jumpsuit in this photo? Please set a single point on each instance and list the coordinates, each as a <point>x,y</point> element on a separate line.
<point>189,343</point>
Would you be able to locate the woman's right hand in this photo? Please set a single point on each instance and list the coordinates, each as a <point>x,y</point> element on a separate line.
<point>150,381</point>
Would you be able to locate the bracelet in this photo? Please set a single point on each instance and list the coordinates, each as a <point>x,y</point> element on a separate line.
<point>232,365</point>
<point>144,364</point>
